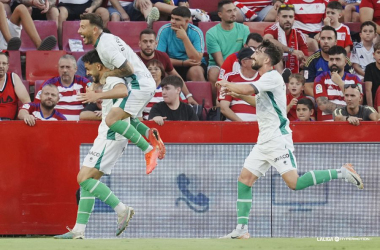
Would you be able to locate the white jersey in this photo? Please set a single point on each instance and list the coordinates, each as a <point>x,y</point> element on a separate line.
<point>271,107</point>
<point>361,56</point>
<point>113,52</point>
<point>104,131</point>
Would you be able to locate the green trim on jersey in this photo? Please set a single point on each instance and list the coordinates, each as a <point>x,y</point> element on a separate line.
<point>135,84</point>
<point>111,135</point>
<point>292,159</point>
<point>278,111</point>
<point>124,101</point>
<point>97,165</point>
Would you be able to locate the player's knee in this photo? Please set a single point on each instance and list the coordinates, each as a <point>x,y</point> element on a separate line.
<point>21,9</point>
<point>110,120</point>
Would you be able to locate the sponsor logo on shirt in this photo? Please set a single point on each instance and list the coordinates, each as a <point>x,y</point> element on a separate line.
<point>318,89</point>
<point>320,69</point>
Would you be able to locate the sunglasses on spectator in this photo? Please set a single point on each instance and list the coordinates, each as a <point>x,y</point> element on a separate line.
<point>354,86</point>
<point>287,5</point>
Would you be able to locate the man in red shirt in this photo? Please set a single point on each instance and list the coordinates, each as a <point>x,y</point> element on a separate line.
<point>370,11</point>
<point>288,38</point>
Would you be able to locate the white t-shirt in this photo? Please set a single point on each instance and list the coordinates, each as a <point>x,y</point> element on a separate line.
<point>271,107</point>
<point>361,56</point>
<point>104,130</point>
<point>113,52</point>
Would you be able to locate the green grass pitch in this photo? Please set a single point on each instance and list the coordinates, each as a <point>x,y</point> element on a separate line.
<point>47,243</point>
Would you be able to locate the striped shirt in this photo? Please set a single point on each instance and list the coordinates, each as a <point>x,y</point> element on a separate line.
<point>257,5</point>
<point>35,110</point>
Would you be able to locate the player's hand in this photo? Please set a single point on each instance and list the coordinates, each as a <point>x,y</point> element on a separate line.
<point>293,102</point>
<point>180,32</point>
<point>191,63</point>
<point>47,7</point>
<point>327,21</point>
<point>354,120</point>
<point>335,77</point>
<point>159,120</point>
<point>191,101</point>
<point>30,120</point>
<point>98,113</point>
<point>125,17</point>
<point>89,96</point>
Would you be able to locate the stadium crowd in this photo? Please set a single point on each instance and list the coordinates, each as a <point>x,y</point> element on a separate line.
<point>325,62</point>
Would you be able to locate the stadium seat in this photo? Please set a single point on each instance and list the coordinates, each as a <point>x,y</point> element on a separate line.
<point>208,5</point>
<point>15,62</point>
<point>77,54</point>
<point>26,84</point>
<point>354,27</point>
<point>128,31</point>
<point>157,25</point>
<point>37,86</point>
<point>258,27</point>
<point>42,65</point>
<point>205,26</point>
<point>44,29</point>
<point>70,31</point>
<point>200,91</point>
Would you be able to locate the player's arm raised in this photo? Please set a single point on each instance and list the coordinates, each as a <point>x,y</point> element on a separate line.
<point>119,91</point>
<point>241,89</point>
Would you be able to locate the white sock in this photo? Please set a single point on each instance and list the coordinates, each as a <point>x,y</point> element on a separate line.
<point>120,208</point>
<point>242,227</point>
<point>148,149</point>
<point>147,133</point>
<point>79,227</point>
<point>339,173</point>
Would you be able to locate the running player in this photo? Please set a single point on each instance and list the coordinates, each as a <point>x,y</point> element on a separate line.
<point>274,144</point>
<point>117,56</point>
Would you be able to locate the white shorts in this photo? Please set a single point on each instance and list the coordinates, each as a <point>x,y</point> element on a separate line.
<point>15,32</point>
<point>104,154</point>
<point>135,102</point>
<point>277,152</point>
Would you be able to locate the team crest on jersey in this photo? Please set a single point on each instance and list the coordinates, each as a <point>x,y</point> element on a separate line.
<point>221,73</point>
<point>318,89</point>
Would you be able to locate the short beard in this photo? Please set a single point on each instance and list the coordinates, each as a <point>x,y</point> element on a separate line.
<point>147,54</point>
<point>48,107</point>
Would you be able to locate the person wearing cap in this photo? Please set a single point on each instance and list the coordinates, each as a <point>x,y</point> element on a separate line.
<point>236,108</point>
<point>329,86</point>
<point>291,40</point>
<point>353,112</point>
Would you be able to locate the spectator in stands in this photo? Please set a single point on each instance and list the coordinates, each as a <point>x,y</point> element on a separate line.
<point>295,88</point>
<point>351,10</point>
<point>69,86</point>
<point>30,112</point>
<point>288,38</point>
<point>40,10</point>
<point>72,9</point>
<point>129,10</point>
<point>377,100</point>
<point>224,39</point>
<point>93,110</point>
<point>166,7</point>
<point>257,11</point>
<point>353,112</point>
<point>148,45</point>
<point>369,10</point>
<point>10,30</point>
<point>171,109</point>
<point>333,14</point>
<point>329,86</point>
<point>305,110</point>
<point>231,64</point>
<point>372,76</point>
<point>184,43</point>
<point>7,7</point>
<point>317,63</point>
<point>234,108</point>
<point>12,90</point>
<point>362,54</point>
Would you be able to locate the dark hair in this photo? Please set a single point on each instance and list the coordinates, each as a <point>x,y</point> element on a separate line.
<point>181,11</point>
<point>376,46</point>
<point>158,64</point>
<point>222,3</point>
<point>299,77</point>
<point>148,32</point>
<point>5,53</point>
<point>172,80</point>
<point>106,30</point>
<point>337,50</point>
<point>94,19</point>
<point>274,52</point>
<point>368,23</point>
<point>254,36</point>
<point>334,5</point>
<point>306,101</point>
<point>285,7</point>
<point>91,57</point>
<point>332,29</point>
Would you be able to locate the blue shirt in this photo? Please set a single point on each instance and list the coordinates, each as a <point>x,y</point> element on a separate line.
<point>174,47</point>
<point>316,65</point>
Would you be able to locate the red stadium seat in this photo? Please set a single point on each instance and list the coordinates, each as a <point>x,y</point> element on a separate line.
<point>15,63</point>
<point>208,5</point>
<point>258,27</point>
<point>157,25</point>
<point>354,27</point>
<point>42,65</point>
<point>44,29</point>
<point>70,31</point>
<point>77,54</point>
<point>200,91</point>
<point>128,31</point>
<point>37,86</point>
<point>205,26</point>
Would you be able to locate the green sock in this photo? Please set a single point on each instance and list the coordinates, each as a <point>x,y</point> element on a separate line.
<point>100,191</point>
<point>315,177</point>
<point>125,129</point>
<point>85,207</point>
<point>244,203</point>
<point>141,127</point>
